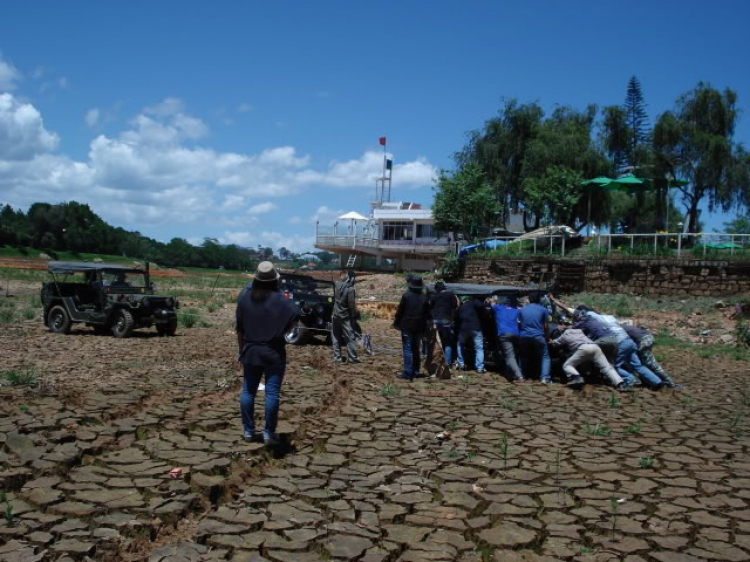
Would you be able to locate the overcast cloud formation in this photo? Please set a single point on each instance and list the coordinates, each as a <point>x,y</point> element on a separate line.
<point>160,171</point>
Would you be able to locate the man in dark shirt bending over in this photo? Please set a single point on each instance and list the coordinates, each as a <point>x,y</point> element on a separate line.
<point>469,325</point>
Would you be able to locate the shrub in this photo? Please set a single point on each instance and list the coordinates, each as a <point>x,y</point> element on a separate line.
<point>188,317</point>
<point>22,376</point>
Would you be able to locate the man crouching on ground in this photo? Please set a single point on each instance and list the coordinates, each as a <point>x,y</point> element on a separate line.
<point>263,317</point>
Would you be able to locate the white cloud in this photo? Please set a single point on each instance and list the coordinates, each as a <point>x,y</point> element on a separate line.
<point>276,240</point>
<point>245,107</point>
<point>325,214</point>
<point>63,83</point>
<point>296,219</point>
<point>262,208</point>
<point>154,172</point>
<point>168,106</point>
<point>22,132</point>
<point>363,171</point>
<point>9,75</point>
<point>92,117</point>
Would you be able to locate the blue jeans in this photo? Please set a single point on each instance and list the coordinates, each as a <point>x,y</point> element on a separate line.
<point>274,378</point>
<point>478,338</point>
<point>627,356</point>
<point>531,348</point>
<point>411,342</point>
<point>445,330</point>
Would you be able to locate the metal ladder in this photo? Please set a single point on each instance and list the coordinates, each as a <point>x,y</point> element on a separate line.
<point>351,261</point>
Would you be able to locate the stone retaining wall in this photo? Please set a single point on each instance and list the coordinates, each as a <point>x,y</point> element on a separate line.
<point>638,277</point>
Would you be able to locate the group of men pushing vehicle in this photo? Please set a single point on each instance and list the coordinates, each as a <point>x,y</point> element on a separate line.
<point>527,336</point>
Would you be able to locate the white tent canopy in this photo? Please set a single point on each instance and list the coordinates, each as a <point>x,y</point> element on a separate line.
<point>353,215</point>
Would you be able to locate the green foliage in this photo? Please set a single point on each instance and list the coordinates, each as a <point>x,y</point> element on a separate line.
<point>554,195</point>
<point>599,430</point>
<point>646,462</point>
<point>635,428</point>
<point>73,227</point>
<point>22,376</point>
<point>464,202</point>
<point>10,517</point>
<point>695,142</point>
<point>188,318</point>
<point>613,401</point>
<point>389,390</point>
<point>739,225</point>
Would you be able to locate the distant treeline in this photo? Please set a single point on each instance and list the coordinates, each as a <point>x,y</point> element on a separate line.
<point>74,227</point>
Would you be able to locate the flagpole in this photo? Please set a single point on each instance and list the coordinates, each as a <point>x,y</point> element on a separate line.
<point>383,176</point>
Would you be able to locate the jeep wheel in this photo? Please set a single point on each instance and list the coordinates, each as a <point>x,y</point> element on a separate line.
<point>168,329</point>
<point>123,325</point>
<point>297,336</point>
<point>58,320</point>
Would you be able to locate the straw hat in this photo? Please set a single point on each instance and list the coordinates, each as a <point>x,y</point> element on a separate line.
<point>266,273</point>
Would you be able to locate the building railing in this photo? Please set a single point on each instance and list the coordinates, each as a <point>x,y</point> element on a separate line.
<point>349,241</point>
<point>661,244</point>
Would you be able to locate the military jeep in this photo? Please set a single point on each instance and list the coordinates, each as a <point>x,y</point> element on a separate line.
<point>315,301</point>
<point>109,298</point>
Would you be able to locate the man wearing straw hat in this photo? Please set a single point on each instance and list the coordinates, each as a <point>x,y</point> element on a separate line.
<point>263,317</point>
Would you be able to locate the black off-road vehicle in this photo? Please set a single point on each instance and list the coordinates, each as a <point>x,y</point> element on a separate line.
<point>109,298</point>
<point>315,300</point>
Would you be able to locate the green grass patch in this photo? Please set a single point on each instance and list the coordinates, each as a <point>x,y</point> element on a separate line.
<point>599,430</point>
<point>21,376</point>
<point>389,390</point>
<point>188,317</point>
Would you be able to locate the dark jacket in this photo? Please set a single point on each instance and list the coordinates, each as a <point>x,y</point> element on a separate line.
<point>263,325</point>
<point>413,312</point>
<point>443,305</point>
<point>345,300</point>
<point>470,315</point>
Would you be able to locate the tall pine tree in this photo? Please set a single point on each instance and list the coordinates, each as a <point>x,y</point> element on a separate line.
<point>636,118</point>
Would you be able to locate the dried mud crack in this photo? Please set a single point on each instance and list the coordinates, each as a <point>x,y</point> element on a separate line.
<point>529,472</point>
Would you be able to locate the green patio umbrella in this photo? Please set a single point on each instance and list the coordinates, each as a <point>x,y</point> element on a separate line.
<point>629,184</point>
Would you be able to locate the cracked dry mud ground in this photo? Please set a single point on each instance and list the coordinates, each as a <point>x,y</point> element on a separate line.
<point>528,473</point>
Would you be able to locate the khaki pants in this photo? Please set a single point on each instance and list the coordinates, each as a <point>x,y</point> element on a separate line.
<point>591,352</point>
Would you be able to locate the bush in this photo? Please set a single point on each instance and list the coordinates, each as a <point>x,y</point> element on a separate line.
<point>22,376</point>
<point>188,318</point>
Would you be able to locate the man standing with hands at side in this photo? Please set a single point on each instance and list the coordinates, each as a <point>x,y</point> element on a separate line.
<point>263,317</point>
<point>344,315</point>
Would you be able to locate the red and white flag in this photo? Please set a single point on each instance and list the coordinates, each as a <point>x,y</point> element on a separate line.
<point>382,141</point>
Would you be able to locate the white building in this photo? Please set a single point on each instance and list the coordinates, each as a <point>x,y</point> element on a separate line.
<point>402,232</point>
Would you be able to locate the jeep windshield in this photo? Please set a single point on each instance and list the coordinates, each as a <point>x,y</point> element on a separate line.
<point>123,280</point>
<point>302,285</point>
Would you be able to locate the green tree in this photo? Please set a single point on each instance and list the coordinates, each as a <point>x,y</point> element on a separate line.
<point>695,142</point>
<point>554,196</point>
<point>563,142</point>
<point>500,148</point>
<point>465,202</point>
<point>739,225</point>
<point>616,136</point>
<point>636,118</point>
<point>284,254</point>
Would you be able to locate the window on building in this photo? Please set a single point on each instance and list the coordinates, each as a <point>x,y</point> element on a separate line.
<point>428,231</point>
<point>398,230</point>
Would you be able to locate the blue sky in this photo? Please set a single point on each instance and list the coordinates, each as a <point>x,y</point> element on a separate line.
<point>246,121</point>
